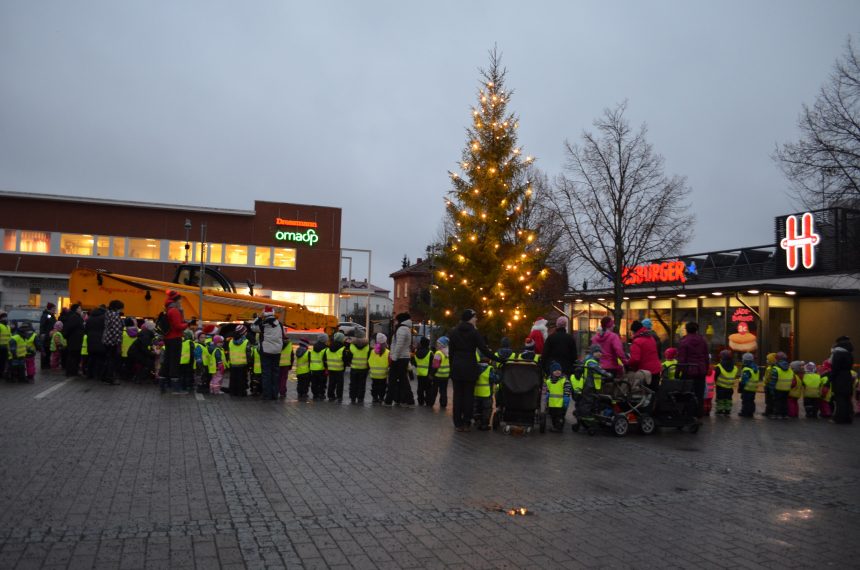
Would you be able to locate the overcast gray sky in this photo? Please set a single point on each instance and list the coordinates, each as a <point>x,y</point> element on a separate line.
<point>363,105</point>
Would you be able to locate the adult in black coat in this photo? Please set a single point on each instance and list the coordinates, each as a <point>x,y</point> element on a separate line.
<point>73,329</point>
<point>46,325</point>
<point>841,381</point>
<point>560,347</point>
<point>463,342</point>
<point>95,328</point>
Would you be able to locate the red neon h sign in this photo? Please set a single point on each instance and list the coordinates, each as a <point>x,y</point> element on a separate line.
<point>803,243</point>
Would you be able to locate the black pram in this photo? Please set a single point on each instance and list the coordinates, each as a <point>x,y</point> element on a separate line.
<point>518,400</point>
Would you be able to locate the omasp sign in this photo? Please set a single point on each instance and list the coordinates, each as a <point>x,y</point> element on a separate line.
<point>308,236</point>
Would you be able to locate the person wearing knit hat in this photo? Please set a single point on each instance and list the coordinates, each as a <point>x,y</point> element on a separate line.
<point>240,354</point>
<point>318,367</point>
<point>337,359</point>
<point>378,363</point>
<point>669,366</point>
<point>529,350</point>
<point>440,372</point>
<point>812,383</point>
<point>560,347</point>
<point>558,391</point>
<point>216,364</point>
<point>57,345</point>
<point>782,378</point>
<point>302,363</point>
<point>359,355</point>
<point>173,325</point>
<point>748,386</point>
<point>725,374</point>
<point>613,358</point>
<point>275,360</point>
<point>768,383</point>
<point>421,361</point>
<point>796,391</point>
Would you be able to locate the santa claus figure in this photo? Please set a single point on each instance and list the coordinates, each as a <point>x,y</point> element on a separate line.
<point>538,334</point>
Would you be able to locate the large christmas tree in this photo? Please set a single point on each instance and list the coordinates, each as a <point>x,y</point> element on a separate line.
<point>491,262</point>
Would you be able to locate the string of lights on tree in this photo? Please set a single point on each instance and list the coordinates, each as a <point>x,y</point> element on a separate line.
<point>492,262</point>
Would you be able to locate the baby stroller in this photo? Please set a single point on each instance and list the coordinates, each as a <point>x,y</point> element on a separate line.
<point>621,405</point>
<point>676,402</point>
<point>518,400</point>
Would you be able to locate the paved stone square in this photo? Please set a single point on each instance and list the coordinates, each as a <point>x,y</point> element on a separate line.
<point>97,476</point>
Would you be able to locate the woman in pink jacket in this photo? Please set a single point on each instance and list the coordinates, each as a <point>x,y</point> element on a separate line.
<point>643,353</point>
<point>613,359</point>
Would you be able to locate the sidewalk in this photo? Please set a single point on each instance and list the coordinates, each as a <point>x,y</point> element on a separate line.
<point>120,476</point>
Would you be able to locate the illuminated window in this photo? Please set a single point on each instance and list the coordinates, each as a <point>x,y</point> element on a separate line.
<point>103,246</point>
<point>36,242</point>
<point>10,239</point>
<point>284,257</point>
<point>236,254</point>
<point>176,251</point>
<point>262,256</point>
<point>144,248</point>
<point>118,247</point>
<point>76,244</point>
<point>214,253</point>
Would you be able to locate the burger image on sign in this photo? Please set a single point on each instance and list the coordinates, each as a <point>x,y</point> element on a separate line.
<point>743,340</point>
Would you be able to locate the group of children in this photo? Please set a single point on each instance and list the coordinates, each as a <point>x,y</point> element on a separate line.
<point>785,384</point>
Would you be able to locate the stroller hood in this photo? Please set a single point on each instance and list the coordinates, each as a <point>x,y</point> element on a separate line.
<point>521,377</point>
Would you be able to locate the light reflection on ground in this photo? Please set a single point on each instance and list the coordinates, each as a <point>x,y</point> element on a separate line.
<point>798,515</point>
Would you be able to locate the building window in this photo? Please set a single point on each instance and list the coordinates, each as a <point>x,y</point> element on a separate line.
<point>34,299</point>
<point>214,253</point>
<point>76,244</point>
<point>144,248</point>
<point>118,247</point>
<point>103,246</point>
<point>262,256</point>
<point>10,239</point>
<point>397,291</point>
<point>176,251</point>
<point>284,257</point>
<point>236,254</point>
<point>35,242</point>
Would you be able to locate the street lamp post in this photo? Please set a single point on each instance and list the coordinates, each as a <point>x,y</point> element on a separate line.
<point>202,267</point>
<point>187,244</point>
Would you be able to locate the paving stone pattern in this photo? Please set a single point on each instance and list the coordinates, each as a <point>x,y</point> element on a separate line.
<point>97,476</point>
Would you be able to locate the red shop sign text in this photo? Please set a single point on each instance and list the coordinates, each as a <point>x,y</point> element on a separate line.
<point>666,272</point>
<point>742,315</point>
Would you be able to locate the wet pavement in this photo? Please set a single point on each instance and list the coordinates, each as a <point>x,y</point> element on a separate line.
<point>121,477</point>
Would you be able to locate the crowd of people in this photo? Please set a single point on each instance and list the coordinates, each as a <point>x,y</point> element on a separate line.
<point>256,359</point>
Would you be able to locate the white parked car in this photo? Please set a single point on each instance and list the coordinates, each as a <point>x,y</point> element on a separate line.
<point>351,329</point>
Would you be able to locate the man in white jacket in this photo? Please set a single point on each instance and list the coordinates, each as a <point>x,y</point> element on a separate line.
<point>270,339</point>
<point>399,389</point>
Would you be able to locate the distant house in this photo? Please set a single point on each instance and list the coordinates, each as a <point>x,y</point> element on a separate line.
<point>411,289</point>
<point>353,299</point>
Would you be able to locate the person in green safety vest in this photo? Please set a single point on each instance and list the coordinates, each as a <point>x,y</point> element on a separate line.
<point>318,367</point>
<point>129,333</point>
<point>782,377</point>
<point>379,364</point>
<point>528,352</point>
<point>812,383</point>
<point>303,369</point>
<point>669,367</point>
<point>748,387</point>
<point>17,355</point>
<point>57,345</point>
<point>726,372</point>
<point>337,357</point>
<point>216,363</point>
<point>239,355</point>
<point>201,355</point>
<point>186,361</point>
<point>358,368</point>
<point>285,364</point>
<point>421,361</point>
<point>768,383</point>
<point>5,335</point>
<point>440,372</point>
<point>796,392</point>
<point>558,391</point>
<point>255,368</point>
<point>483,394</point>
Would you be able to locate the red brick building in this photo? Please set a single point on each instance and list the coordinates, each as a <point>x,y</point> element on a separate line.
<point>411,289</point>
<point>288,251</point>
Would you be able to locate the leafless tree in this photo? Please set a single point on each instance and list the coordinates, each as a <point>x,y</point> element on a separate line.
<point>617,207</point>
<point>824,165</point>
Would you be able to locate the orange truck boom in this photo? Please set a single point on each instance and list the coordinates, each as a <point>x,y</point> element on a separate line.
<point>145,298</point>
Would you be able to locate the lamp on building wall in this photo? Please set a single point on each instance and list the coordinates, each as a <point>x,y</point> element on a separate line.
<point>187,233</point>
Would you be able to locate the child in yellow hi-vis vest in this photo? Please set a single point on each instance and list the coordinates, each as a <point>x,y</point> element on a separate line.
<point>812,383</point>
<point>558,390</point>
<point>725,374</point>
<point>378,362</point>
<point>796,392</point>
<point>217,363</point>
<point>750,379</point>
<point>483,394</point>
